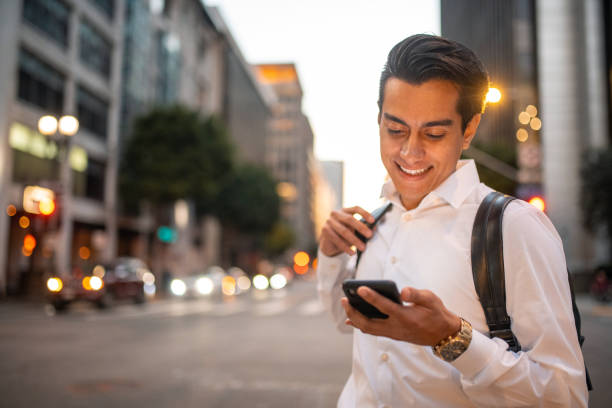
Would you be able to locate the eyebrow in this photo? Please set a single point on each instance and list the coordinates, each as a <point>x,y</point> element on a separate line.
<point>442,122</point>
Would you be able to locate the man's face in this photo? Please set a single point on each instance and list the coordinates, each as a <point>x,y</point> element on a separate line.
<point>420,136</point>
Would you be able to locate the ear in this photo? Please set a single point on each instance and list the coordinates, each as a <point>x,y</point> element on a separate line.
<point>470,130</point>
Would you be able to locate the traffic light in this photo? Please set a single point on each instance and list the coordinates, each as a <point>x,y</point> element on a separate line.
<point>166,234</point>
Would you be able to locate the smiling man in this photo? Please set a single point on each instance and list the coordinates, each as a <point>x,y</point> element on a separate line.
<point>431,100</point>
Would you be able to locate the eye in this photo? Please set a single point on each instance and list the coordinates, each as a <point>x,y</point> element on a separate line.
<point>394,131</point>
<point>435,135</point>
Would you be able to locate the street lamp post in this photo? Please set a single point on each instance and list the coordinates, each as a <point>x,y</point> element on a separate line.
<point>61,131</point>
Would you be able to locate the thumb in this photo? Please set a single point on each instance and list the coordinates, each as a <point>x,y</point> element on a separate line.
<point>416,296</point>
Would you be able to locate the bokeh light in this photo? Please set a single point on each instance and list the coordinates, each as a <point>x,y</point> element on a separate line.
<point>278,281</point>
<point>204,285</point>
<point>24,222</point>
<point>301,258</point>
<point>11,210</point>
<point>54,284</point>
<point>538,202</point>
<point>260,282</point>
<point>84,253</point>
<point>524,118</point>
<point>493,95</point>
<point>531,110</point>
<point>522,135</point>
<point>536,124</point>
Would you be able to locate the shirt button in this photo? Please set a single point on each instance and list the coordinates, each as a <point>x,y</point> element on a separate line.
<point>384,357</point>
<point>407,216</point>
<point>393,260</point>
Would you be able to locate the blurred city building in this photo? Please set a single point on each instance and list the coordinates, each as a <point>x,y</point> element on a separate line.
<point>333,171</point>
<point>172,54</point>
<point>289,149</point>
<point>550,59</point>
<point>107,62</point>
<point>328,185</point>
<point>58,57</point>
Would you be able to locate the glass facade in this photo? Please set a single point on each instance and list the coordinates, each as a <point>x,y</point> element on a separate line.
<point>39,84</point>
<point>89,182</point>
<point>49,16</point>
<point>106,6</point>
<point>92,112</point>
<point>94,49</point>
<point>169,64</point>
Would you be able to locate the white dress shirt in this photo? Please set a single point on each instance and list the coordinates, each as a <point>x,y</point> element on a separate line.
<point>429,248</point>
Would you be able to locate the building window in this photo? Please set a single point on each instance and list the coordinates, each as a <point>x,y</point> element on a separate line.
<point>92,112</point>
<point>169,65</point>
<point>94,50</point>
<point>39,84</point>
<point>49,16</point>
<point>106,6</point>
<point>90,183</point>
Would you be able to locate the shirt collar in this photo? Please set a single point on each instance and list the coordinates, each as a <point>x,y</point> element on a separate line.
<point>454,190</point>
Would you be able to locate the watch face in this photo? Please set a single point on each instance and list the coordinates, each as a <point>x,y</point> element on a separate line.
<point>453,350</point>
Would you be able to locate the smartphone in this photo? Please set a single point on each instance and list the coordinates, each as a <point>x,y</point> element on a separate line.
<point>387,288</point>
<point>377,214</point>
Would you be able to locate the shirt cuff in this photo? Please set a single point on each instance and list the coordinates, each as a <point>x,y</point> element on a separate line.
<point>331,264</point>
<point>477,356</point>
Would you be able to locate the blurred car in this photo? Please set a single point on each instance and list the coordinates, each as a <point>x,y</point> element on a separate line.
<point>213,282</point>
<point>125,279</point>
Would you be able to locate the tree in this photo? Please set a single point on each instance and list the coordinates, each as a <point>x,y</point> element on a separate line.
<point>174,153</point>
<point>248,201</point>
<point>596,200</point>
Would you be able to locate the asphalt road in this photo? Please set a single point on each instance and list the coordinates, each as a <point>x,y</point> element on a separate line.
<point>278,349</point>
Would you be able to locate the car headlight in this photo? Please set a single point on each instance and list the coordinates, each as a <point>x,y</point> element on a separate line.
<point>96,283</point>
<point>204,285</point>
<point>54,284</point>
<point>278,281</point>
<point>178,287</point>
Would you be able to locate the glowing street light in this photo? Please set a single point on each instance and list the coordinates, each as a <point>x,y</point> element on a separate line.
<point>61,131</point>
<point>493,95</point>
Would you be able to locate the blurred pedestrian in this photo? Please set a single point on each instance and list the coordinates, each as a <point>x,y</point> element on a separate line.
<point>433,350</point>
<point>600,288</point>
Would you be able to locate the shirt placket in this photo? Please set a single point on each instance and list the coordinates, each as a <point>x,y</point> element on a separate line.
<point>384,373</point>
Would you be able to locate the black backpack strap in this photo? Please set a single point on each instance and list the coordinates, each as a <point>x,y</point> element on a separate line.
<point>378,215</point>
<point>488,266</point>
<point>578,322</point>
<point>489,277</point>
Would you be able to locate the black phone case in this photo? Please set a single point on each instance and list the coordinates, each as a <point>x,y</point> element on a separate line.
<point>387,288</point>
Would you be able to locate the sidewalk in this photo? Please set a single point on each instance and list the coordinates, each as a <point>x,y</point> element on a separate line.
<point>589,306</point>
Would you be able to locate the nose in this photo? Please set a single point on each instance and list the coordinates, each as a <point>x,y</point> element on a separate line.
<point>412,147</point>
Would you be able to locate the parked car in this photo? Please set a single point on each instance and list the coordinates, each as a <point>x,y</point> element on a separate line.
<point>124,279</point>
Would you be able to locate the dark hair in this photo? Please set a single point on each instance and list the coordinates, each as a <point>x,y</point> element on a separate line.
<point>423,57</point>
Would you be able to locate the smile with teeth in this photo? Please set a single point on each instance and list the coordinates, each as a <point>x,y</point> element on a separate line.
<point>416,172</point>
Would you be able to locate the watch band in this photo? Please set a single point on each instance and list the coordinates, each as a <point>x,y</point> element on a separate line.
<point>451,347</point>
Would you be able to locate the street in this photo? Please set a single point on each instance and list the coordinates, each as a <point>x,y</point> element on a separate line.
<point>262,349</point>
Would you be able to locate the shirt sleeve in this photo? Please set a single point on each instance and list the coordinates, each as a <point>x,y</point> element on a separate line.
<point>331,272</point>
<point>549,370</point>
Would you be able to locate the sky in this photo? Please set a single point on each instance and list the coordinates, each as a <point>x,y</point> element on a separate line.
<point>339,48</point>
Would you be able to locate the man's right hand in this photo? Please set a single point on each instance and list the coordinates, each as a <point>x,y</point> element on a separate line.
<point>338,233</point>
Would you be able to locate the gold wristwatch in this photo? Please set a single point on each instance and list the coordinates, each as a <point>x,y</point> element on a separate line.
<point>453,346</point>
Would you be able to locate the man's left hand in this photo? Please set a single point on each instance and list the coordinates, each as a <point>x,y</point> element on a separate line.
<point>424,321</point>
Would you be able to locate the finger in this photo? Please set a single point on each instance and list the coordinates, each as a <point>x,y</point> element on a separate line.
<point>353,224</point>
<point>346,234</point>
<point>377,300</point>
<point>340,242</point>
<point>358,210</point>
<point>418,297</point>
